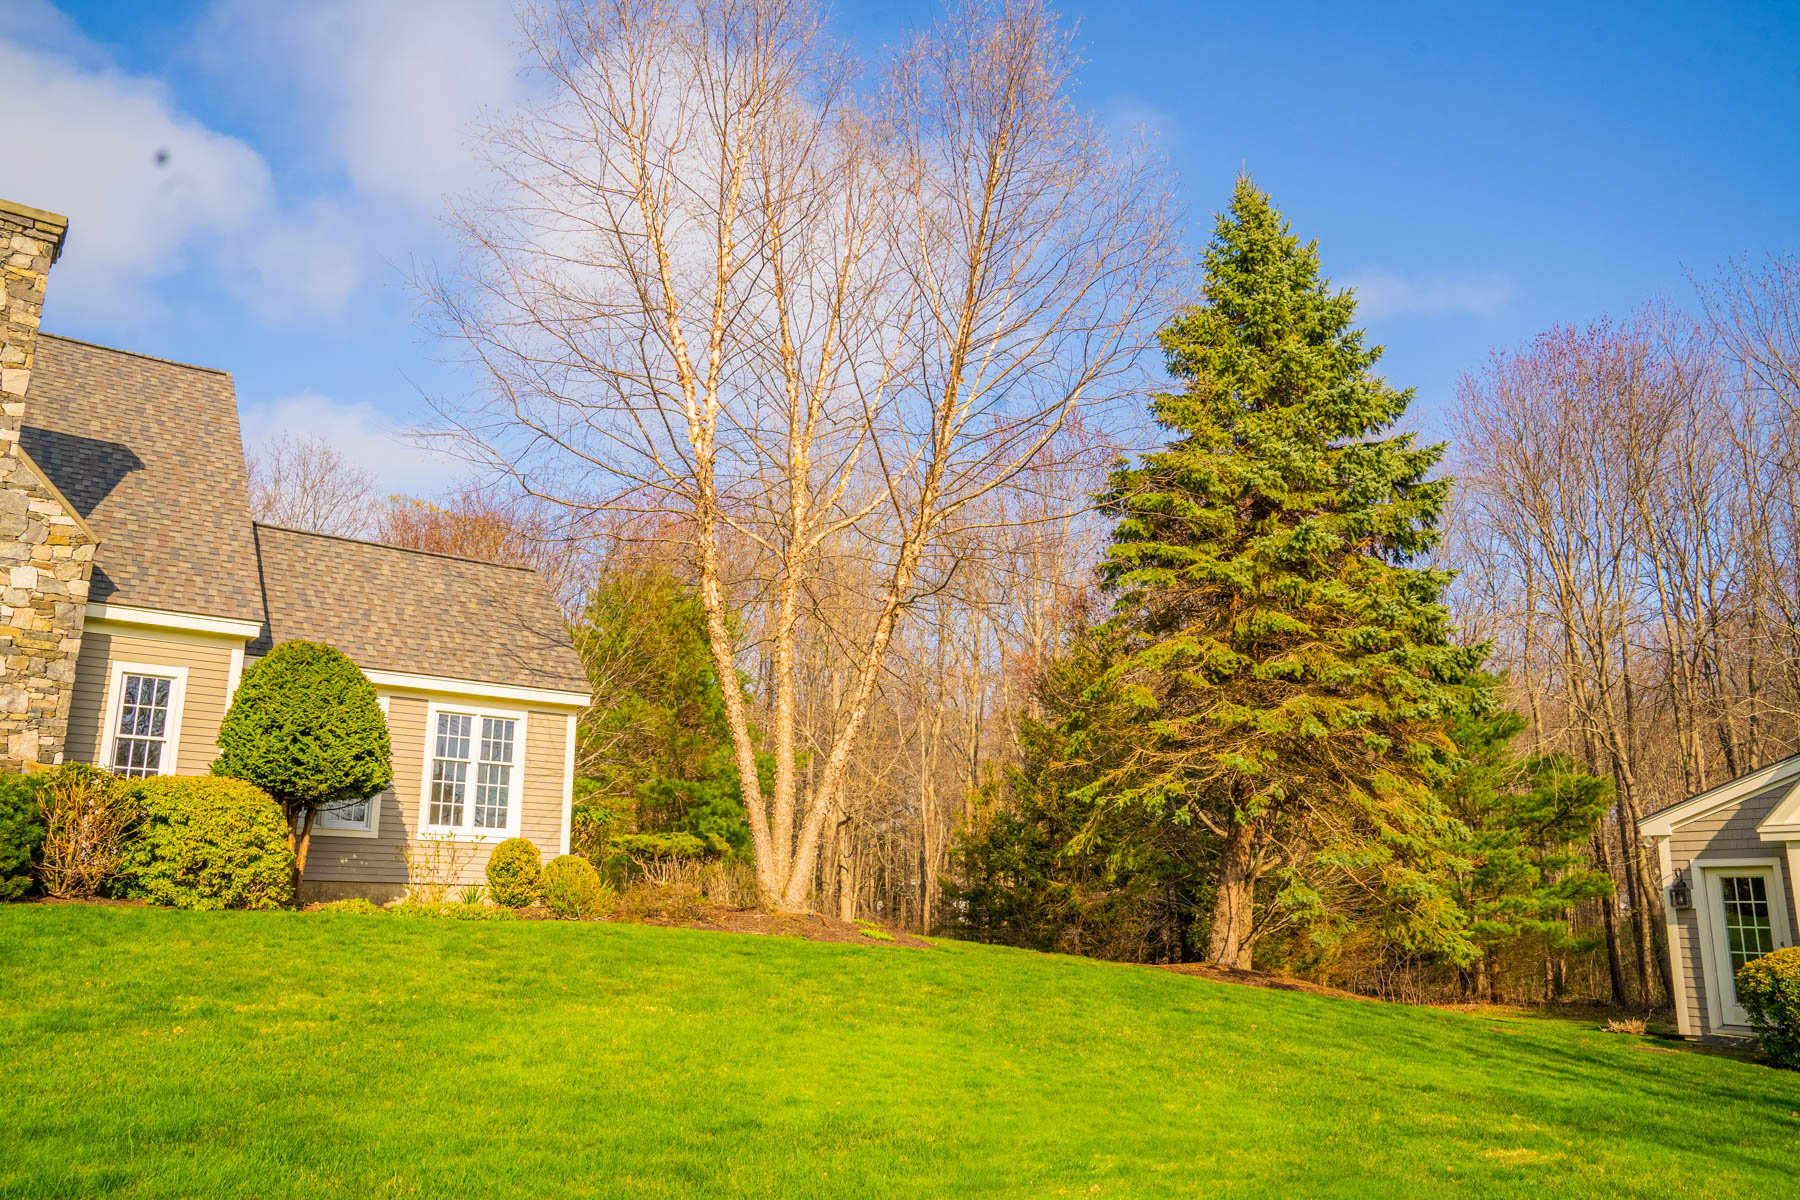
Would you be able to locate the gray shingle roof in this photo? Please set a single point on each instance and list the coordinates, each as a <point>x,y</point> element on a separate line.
<point>148,452</point>
<point>408,610</point>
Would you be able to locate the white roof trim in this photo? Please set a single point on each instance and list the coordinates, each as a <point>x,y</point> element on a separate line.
<point>156,618</point>
<point>472,687</point>
<point>1664,823</point>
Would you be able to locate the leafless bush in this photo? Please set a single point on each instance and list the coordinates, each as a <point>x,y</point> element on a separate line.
<point>86,820</point>
<point>680,901</point>
<point>434,865</point>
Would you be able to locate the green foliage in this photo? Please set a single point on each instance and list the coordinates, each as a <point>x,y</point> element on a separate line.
<point>514,873</point>
<point>207,843</point>
<point>636,850</point>
<point>572,888</point>
<point>1518,866</point>
<point>355,906</point>
<point>1040,867</point>
<point>1286,676</point>
<point>21,832</point>
<point>453,911</point>
<point>1769,989</point>
<point>306,727</point>
<point>655,746</point>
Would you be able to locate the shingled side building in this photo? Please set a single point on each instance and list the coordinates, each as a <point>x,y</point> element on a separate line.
<point>137,587</point>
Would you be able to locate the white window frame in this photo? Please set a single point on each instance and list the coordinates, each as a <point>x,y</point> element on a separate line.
<point>1722,1009</point>
<point>334,825</point>
<point>115,700</point>
<point>468,831</point>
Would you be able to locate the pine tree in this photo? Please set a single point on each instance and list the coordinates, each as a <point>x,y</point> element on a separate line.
<point>655,751</point>
<point>1039,868</point>
<point>1520,863</point>
<point>1289,675</point>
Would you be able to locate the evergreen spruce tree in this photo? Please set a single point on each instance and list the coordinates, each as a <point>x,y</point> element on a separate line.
<point>655,752</point>
<point>1289,677</point>
<point>1520,866</point>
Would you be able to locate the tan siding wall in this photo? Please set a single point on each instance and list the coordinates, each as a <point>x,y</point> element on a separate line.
<point>1727,833</point>
<point>340,858</point>
<point>208,663</point>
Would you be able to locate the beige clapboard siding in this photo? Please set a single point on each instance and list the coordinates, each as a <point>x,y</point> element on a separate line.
<point>1725,833</point>
<point>341,858</point>
<point>208,663</point>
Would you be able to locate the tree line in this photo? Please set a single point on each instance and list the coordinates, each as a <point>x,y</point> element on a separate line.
<point>814,389</point>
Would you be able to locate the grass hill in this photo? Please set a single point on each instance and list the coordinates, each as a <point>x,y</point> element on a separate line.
<point>158,1053</point>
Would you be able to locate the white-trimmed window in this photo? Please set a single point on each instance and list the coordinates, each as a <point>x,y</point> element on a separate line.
<point>143,719</point>
<point>473,772</point>
<point>362,819</point>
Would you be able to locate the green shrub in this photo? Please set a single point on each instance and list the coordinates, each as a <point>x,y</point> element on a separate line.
<point>455,912</point>
<point>21,832</point>
<point>87,817</point>
<point>207,843</point>
<point>355,906</point>
<point>514,872</point>
<point>572,889</point>
<point>1769,989</point>
<point>642,853</point>
<point>306,726</point>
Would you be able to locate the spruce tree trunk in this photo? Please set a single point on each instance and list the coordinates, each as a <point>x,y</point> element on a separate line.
<point>1228,941</point>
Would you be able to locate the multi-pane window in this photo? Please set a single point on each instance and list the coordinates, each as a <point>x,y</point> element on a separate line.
<point>351,816</point>
<point>1749,932</point>
<point>141,737</point>
<point>472,772</point>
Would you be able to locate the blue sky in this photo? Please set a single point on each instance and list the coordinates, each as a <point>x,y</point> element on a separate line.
<point>1478,171</point>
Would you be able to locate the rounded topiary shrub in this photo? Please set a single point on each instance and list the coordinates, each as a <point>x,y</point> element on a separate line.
<point>21,832</point>
<point>207,843</point>
<point>1769,989</point>
<point>306,726</point>
<point>571,888</point>
<point>514,872</point>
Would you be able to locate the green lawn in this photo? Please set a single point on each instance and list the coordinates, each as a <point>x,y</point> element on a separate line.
<point>157,1053</point>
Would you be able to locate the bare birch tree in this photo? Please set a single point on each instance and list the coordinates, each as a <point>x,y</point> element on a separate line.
<point>713,281</point>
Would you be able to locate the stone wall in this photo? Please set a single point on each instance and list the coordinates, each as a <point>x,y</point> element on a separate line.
<point>46,550</point>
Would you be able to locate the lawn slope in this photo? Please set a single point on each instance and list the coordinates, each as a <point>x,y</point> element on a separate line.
<point>156,1053</point>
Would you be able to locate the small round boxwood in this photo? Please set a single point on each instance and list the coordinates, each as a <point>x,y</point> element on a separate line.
<point>21,832</point>
<point>572,888</point>
<point>1769,989</point>
<point>207,842</point>
<point>514,872</point>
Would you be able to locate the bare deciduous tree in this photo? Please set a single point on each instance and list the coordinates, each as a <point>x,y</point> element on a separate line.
<point>301,481</point>
<point>713,282</point>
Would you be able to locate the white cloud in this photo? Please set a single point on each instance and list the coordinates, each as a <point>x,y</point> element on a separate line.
<point>363,436</point>
<point>308,263</point>
<point>141,183</point>
<point>1381,294</point>
<point>390,88</point>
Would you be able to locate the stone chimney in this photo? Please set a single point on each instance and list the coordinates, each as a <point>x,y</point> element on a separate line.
<point>46,549</point>
<point>30,242</point>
